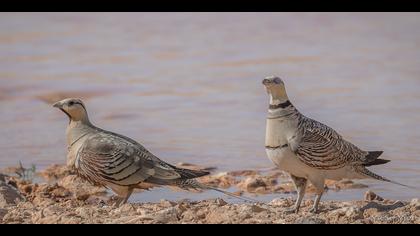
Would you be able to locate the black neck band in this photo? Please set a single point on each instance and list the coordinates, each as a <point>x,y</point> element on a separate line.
<point>281,105</point>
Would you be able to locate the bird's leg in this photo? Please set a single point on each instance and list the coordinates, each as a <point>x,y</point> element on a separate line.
<point>319,184</point>
<point>119,201</point>
<point>319,193</point>
<point>300,184</point>
<point>114,200</point>
<point>314,209</point>
<point>122,194</point>
<point>123,199</point>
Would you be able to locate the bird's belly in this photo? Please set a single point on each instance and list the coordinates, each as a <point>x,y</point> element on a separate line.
<point>286,160</point>
<point>277,132</point>
<point>342,173</point>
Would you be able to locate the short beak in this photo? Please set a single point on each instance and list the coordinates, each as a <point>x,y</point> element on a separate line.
<point>266,82</point>
<point>57,104</point>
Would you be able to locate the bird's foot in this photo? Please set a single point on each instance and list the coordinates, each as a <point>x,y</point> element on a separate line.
<point>314,210</point>
<point>115,201</point>
<point>120,202</point>
<point>292,210</point>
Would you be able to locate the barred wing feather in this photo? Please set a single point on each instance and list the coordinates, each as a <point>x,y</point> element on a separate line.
<point>319,146</point>
<point>105,158</point>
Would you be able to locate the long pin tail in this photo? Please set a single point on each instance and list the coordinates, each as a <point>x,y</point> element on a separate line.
<point>378,177</point>
<point>191,183</point>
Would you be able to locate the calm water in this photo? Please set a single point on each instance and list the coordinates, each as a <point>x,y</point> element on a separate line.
<point>188,86</point>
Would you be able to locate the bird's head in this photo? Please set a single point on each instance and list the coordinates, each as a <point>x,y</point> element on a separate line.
<point>74,108</point>
<point>275,87</point>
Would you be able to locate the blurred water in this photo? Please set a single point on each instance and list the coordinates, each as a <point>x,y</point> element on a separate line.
<point>188,85</point>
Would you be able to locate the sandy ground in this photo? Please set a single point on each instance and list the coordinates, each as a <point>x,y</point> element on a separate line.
<point>65,198</point>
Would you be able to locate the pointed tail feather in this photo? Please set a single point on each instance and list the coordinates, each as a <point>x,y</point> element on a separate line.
<point>372,155</point>
<point>376,162</point>
<point>191,174</point>
<point>370,174</point>
<point>233,195</point>
<point>185,174</point>
<point>191,183</point>
<point>372,158</point>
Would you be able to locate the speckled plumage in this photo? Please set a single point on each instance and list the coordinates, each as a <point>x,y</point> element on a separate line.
<point>112,160</point>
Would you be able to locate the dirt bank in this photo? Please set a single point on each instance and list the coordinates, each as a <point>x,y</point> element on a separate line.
<point>64,198</point>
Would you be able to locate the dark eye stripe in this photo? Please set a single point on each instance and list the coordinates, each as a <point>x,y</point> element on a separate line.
<point>73,103</point>
<point>82,105</point>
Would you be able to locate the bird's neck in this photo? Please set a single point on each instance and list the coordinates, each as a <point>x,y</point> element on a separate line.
<point>77,129</point>
<point>281,107</point>
<point>276,100</point>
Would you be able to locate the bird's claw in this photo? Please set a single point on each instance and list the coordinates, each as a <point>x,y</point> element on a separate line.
<point>292,210</point>
<point>115,201</point>
<point>314,210</point>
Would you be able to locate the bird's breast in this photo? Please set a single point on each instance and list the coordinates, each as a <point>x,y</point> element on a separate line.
<point>283,158</point>
<point>277,132</point>
<point>73,149</point>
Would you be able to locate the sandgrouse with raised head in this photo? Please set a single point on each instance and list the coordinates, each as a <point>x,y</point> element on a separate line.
<point>310,150</point>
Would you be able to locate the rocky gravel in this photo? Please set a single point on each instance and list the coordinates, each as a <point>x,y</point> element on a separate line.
<point>70,200</point>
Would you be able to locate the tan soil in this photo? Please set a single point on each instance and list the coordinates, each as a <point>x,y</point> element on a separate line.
<point>65,198</point>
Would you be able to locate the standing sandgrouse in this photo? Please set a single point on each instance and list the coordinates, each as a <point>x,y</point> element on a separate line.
<point>117,162</point>
<point>310,150</point>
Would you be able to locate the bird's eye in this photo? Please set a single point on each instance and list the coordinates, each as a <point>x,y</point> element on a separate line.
<point>277,80</point>
<point>71,103</point>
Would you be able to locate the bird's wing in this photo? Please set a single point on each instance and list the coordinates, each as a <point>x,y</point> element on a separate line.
<point>105,157</point>
<point>321,147</point>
